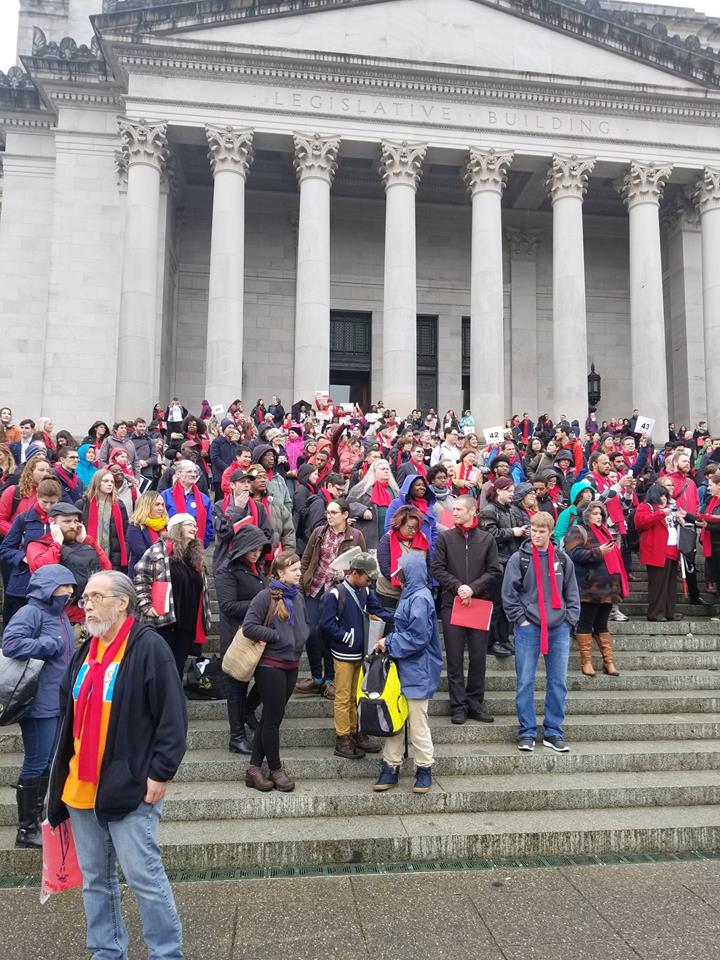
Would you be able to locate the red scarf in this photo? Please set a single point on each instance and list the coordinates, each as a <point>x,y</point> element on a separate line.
<point>381,495</point>
<point>420,470</point>
<point>88,709</point>
<point>465,470</point>
<point>71,479</point>
<point>92,527</point>
<point>418,542</point>
<point>464,529</point>
<point>616,513</point>
<point>327,495</point>
<point>613,559</point>
<point>200,510</point>
<point>602,483</point>
<point>422,505</point>
<point>555,601</point>
<point>705,535</point>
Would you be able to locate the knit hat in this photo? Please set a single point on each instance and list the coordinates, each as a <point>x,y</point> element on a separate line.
<point>504,483</point>
<point>271,434</point>
<point>179,518</point>
<point>226,422</point>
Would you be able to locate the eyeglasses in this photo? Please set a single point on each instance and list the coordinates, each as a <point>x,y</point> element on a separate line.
<point>94,599</point>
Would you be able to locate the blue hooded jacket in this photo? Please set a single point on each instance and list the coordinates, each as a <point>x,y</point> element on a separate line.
<point>26,528</point>
<point>430,526</point>
<point>415,641</point>
<point>40,632</point>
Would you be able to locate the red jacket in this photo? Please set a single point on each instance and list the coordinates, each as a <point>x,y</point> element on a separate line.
<point>575,448</point>
<point>6,500</point>
<point>689,499</point>
<point>41,552</point>
<point>650,523</point>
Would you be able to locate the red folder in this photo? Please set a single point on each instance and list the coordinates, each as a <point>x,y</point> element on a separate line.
<point>245,522</point>
<point>160,595</point>
<point>476,615</point>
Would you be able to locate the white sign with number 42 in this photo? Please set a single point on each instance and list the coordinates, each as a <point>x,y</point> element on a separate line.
<point>644,425</point>
<point>493,435</point>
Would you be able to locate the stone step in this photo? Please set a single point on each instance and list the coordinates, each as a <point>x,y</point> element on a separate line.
<point>278,842</point>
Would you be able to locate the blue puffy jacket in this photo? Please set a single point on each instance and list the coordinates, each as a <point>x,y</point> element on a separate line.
<point>415,641</point>
<point>39,632</point>
<point>26,528</point>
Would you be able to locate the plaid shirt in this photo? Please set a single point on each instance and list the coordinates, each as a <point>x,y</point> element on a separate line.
<point>329,546</point>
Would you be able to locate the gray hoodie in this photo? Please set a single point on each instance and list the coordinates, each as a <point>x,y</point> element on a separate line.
<point>520,593</point>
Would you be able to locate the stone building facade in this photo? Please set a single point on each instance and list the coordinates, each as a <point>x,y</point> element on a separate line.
<point>459,203</point>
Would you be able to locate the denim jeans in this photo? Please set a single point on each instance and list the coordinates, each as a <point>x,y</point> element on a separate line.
<point>527,653</point>
<point>38,735</point>
<point>131,841</point>
<point>322,665</point>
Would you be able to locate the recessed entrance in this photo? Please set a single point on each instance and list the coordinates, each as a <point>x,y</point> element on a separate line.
<point>350,357</point>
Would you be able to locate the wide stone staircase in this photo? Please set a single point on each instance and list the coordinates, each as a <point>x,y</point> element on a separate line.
<point>643,775</point>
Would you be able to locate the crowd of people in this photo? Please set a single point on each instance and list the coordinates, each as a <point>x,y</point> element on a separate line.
<point>327,531</point>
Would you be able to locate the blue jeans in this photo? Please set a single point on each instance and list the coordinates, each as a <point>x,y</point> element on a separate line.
<point>38,735</point>
<point>131,841</point>
<point>527,653</point>
<point>322,665</point>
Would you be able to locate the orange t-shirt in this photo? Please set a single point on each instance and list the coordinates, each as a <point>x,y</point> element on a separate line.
<point>81,793</point>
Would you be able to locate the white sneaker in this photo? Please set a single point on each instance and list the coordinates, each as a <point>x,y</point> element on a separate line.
<point>618,616</point>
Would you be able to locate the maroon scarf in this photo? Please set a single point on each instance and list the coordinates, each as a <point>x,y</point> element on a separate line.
<point>555,601</point>
<point>92,527</point>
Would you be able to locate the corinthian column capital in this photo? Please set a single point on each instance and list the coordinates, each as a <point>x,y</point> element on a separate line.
<point>644,183</point>
<point>568,176</point>
<point>143,142</point>
<point>523,243</point>
<point>230,148</point>
<point>316,156</point>
<point>402,162</point>
<point>487,170</point>
<point>706,195</point>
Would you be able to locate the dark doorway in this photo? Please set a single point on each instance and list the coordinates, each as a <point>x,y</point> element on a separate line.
<point>427,363</point>
<point>466,363</point>
<point>350,357</point>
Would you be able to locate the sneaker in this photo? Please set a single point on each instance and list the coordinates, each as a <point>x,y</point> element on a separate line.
<point>618,616</point>
<point>423,780</point>
<point>714,619</point>
<point>388,778</point>
<point>481,714</point>
<point>308,687</point>
<point>499,650</point>
<point>557,744</point>
<point>459,715</point>
<point>526,744</point>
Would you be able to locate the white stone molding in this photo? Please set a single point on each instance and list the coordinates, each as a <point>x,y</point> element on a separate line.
<point>568,176</point>
<point>679,212</point>
<point>706,195</point>
<point>121,169</point>
<point>230,148</point>
<point>644,183</point>
<point>316,156</point>
<point>402,162</point>
<point>523,243</point>
<point>144,142</point>
<point>487,170</point>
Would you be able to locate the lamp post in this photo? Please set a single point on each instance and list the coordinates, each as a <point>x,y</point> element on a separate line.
<point>594,388</point>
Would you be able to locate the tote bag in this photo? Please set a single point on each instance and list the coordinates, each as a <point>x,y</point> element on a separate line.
<point>18,686</point>
<point>243,654</point>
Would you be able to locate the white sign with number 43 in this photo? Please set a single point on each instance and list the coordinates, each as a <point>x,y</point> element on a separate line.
<point>644,425</point>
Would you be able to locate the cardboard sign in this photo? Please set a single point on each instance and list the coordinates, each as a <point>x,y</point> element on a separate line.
<point>475,616</point>
<point>644,425</point>
<point>493,435</point>
<point>218,410</point>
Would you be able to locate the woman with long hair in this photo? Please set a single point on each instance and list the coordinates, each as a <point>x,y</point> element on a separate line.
<point>18,497</point>
<point>147,524</point>
<point>44,425</point>
<point>404,536</point>
<point>105,518</point>
<point>171,572</point>
<point>657,524</point>
<point>7,467</point>
<point>369,500</point>
<point>277,618</point>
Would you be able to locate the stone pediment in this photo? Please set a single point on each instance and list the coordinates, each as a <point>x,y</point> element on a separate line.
<point>532,37</point>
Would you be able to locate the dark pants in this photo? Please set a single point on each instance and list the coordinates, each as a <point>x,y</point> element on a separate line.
<point>691,576</point>
<point>389,603</point>
<point>180,644</point>
<point>712,567</point>
<point>593,618</point>
<point>11,607</point>
<point>217,487</point>
<point>238,692</point>
<point>472,694</point>
<point>499,626</point>
<point>38,736</point>
<point>275,688</point>
<point>662,590</point>
<point>322,666</point>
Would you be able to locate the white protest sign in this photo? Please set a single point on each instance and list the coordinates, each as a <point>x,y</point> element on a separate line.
<point>218,410</point>
<point>493,435</point>
<point>644,425</point>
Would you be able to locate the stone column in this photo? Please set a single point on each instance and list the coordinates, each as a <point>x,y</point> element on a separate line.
<point>642,189</point>
<point>230,155</point>
<point>523,313</point>
<point>401,169</point>
<point>567,181</point>
<point>707,198</point>
<point>315,163</point>
<point>145,148</point>
<point>485,178</point>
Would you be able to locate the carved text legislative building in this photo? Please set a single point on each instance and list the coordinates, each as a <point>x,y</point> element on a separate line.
<point>466,202</point>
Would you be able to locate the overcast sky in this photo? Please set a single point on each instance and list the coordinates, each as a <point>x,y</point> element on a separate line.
<point>9,9</point>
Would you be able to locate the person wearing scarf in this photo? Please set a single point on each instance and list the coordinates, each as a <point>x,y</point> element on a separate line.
<point>147,525</point>
<point>415,492</point>
<point>86,467</point>
<point>65,471</point>
<point>404,536</point>
<point>602,581</point>
<point>465,472</point>
<point>105,518</point>
<point>709,523</point>
<point>185,497</point>
<point>541,599</point>
<point>278,619</point>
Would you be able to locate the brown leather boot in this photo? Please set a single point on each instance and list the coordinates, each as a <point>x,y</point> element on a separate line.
<point>256,779</point>
<point>606,648</point>
<point>282,781</point>
<point>366,744</point>
<point>345,747</point>
<point>584,642</point>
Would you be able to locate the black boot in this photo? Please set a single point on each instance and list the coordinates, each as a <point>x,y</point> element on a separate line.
<point>238,737</point>
<point>42,793</point>
<point>28,834</point>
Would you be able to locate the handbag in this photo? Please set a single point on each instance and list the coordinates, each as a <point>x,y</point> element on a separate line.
<point>243,655</point>
<point>60,869</point>
<point>204,680</point>
<point>18,685</point>
<point>687,539</point>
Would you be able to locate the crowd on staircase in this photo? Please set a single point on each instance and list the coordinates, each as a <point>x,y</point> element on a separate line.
<point>510,540</point>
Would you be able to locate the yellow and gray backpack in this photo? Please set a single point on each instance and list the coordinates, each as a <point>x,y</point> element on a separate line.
<point>382,707</point>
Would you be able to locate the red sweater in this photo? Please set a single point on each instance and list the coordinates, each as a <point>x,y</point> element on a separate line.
<point>650,523</point>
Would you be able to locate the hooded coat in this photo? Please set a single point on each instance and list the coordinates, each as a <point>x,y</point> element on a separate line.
<point>430,528</point>
<point>277,487</point>
<point>42,632</point>
<point>237,584</point>
<point>85,469</point>
<point>568,517</point>
<point>414,643</point>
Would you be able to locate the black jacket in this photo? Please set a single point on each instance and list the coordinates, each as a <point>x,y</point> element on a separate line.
<point>147,734</point>
<point>471,560</point>
<point>497,521</point>
<point>236,585</point>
